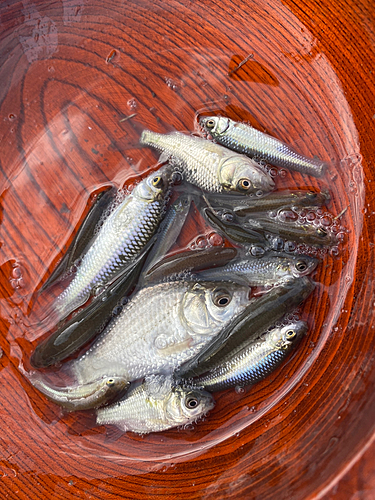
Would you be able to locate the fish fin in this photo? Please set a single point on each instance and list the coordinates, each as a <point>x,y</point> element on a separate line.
<point>113,434</point>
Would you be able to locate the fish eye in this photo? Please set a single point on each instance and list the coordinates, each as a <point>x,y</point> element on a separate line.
<point>157,181</point>
<point>210,123</point>
<point>191,402</point>
<point>322,232</point>
<point>228,216</point>
<point>244,184</point>
<point>290,334</point>
<point>301,266</point>
<point>310,195</point>
<point>222,298</point>
<point>110,381</point>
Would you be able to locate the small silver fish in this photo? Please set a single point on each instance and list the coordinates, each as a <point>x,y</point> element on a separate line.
<point>160,328</point>
<point>210,166</point>
<point>120,240</point>
<point>155,406</point>
<point>250,141</point>
<point>264,271</point>
<point>81,397</point>
<point>252,362</point>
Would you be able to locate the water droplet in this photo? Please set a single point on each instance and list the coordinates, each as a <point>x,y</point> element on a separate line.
<point>132,103</point>
<point>334,251</point>
<point>310,216</point>
<point>256,251</point>
<point>215,239</point>
<point>201,242</point>
<point>289,246</point>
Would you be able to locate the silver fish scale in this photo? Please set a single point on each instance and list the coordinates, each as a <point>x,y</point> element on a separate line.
<point>248,140</point>
<point>134,414</point>
<point>248,367</point>
<point>255,272</point>
<point>201,161</point>
<point>155,333</point>
<point>196,157</point>
<point>153,409</point>
<point>121,238</point>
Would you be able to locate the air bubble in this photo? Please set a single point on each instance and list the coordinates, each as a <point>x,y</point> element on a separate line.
<point>17,273</point>
<point>201,242</point>
<point>273,172</point>
<point>257,251</point>
<point>310,216</point>
<point>326,221</point>
<point>215,239</point>
<point>289,246</point>
<point>277,244</point>
<point>334,251</point>
<point>132,103</point>
<point>287,216</point>
<point>117,310</point>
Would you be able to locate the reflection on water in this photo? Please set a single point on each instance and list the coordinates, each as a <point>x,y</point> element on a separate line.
<point>82,143</point>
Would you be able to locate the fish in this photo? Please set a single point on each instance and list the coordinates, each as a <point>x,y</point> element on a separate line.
<point>84,326</point>
<point>83,237</point>
<point>250,141</point>
<point>254,230</point>
<point>209,166</point>
<point>226,221</point>
<point>168,232</point>
<point>251,362</point>
<point>159,328</point>
<point>120,240</point>
<point>261,271</point>
<point>243,206</point>
<point>156,405</point>
<point>184,262</point>
<point>306,233</point>
<point>81,397</point>
<point>260,314</point>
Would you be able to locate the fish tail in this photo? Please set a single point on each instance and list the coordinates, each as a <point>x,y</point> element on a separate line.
<point>149,137</point>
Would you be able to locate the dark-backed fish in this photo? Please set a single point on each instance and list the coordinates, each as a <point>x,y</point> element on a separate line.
<point>87,323</point>
<point>250,141</point>
<point>81,397</point>
<point>261,271</point>
<point>251,362</point>
<point>306,233</point>
<point>193,260</point>
<point>272,201</point>
<point>83,237</point>
<point>168,231</point>
<point>226,221</point>
<point>261,313</point>
<point>209,166</point>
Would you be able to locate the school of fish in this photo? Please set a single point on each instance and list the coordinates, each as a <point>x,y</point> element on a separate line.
<point>154,335</point>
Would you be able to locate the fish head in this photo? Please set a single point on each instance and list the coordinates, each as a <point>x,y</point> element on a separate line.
<point>206,306</point>
<point>185,405</point>
<point>116,384</point>
<point>289,335</point>
<point>155,186</point>
<point>303,265</point>
<point>242,175</point>
<point>215,125</point>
